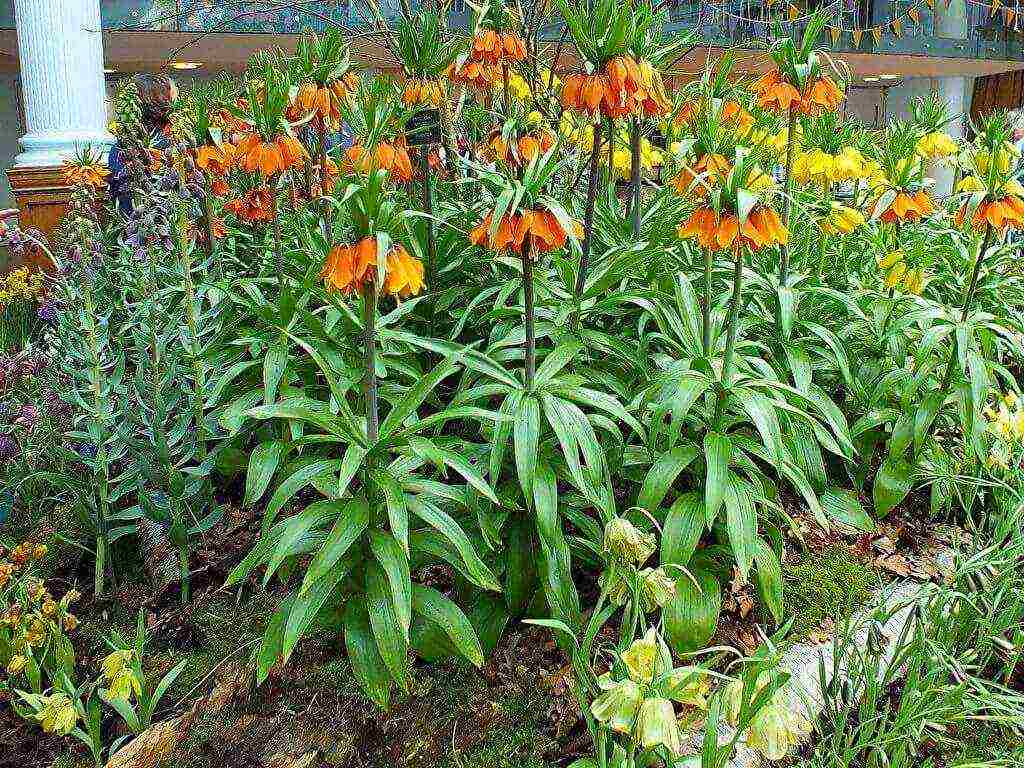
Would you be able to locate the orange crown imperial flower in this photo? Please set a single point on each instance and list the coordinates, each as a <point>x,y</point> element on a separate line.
<point>479,74</point>
<point>348,267</point>
<point>493,47</point>
<point>423,91</point>
<point>255,205</point>
<point>91,175</point>
<point>718,232</point>
<point>1003,214</point>
<point>216,159</point>
<point>523,150</point>
<point>389,156</point>
<point>540,228</point>
<point>908,207</point>
<point>709,169</point>
<point>774,92</point>
<point>270,157</point>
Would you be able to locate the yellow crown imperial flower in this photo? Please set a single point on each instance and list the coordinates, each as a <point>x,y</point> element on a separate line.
<point>970,184</point>
<point>936,145</point>
<point>618,705</point>
<point>656,725</point>
<point>890,259</point>
<point>116,662</point>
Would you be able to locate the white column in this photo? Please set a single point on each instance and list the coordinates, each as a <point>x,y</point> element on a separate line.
<point>956,92</point>
<point>60,54</point>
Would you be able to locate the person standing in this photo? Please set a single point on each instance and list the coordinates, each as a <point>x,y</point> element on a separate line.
<point>157,94</point>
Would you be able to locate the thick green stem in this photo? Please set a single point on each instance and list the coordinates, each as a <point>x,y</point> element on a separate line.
<point>588,222</point>
<point>198,366</point>
<point>709,259</point>
<point>428,208</point>
<point>370,338</point>
<point>530,342</point>
<point>100,414</point>
<point>278,254</point>
<point>730,339</point>
<point>186,576</point>
<point>787,197</point>
<point>634,172</point>
<point>968,299</point>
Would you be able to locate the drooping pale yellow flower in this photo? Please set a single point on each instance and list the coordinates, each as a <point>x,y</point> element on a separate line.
<point>642,658</point>
<point>656,589</point>
<point>969,184</point>
<point>841,218</point>
<point>656,726</point>
<point>776,727</point>
<point>58,714</point>
<point>617,706</point>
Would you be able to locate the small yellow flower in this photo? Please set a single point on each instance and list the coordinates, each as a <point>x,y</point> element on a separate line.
<point>124,684</point>
<point>642,657</point>
<point>16,665</point>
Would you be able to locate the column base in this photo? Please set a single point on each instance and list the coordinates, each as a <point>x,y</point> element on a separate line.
<point>42,195</point>
<point>50,148</point>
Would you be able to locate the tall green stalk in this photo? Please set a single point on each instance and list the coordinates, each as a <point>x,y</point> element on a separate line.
<point>709,260</point>
<point>634,172</point>
<point>195,353</point>
<point>100,416</point>
<point>730,339</point>
<point>530,341</point>
<point>968,300</point>
<point>370,340</point>
<point>588,222</point>
<point>787,196</point>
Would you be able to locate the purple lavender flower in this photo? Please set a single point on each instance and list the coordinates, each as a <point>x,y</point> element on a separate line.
<point>47,312</point>
<point>8,447</point>
<point>28,416</point>
<point>86,450</point>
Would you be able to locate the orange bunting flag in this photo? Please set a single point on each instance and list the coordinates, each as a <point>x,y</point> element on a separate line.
<point>897,27</point>
<point>915,16</point>
<point>794,12</point>
<point>1010,16</point>
<point>857,35</point>
<point>876,32</point>
<point>930,3</point>
<point>835,32</point>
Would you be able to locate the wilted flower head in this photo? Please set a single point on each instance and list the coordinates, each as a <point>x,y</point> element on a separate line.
<point>656,588</point>
<point>627,542</point>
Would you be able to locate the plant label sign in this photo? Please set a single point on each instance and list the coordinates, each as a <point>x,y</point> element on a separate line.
<point>423,128</point>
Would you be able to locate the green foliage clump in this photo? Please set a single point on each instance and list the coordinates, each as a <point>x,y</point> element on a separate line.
<point>824,585</point>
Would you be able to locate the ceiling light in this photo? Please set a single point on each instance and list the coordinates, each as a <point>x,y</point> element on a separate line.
<point>870,79</point>
<point>109,71</point>
<point>890,77</point>
<point>185,65</point>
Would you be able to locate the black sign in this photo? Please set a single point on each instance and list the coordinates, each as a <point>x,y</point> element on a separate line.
<point>423,128</point>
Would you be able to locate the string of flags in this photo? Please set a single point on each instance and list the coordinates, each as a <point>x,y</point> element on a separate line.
<point>787,13</point>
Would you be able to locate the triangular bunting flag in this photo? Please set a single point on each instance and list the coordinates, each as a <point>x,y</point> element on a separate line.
<point>857,34</point>
<point>915,16</point>
<point>876,32</point>
<point>930,3</point>
<point>835,32</point>
<point>1010,15</point>
<point>897,27</point>
<point>794,12</point>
